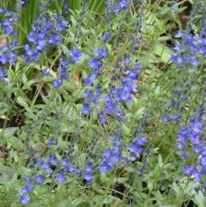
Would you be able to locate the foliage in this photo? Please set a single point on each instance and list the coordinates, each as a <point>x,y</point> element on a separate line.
<point>102,108</point>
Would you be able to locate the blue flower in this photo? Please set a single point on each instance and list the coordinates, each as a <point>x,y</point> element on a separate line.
<point>72,169</point>
<point>8,55</point>
<point>52,160</point>
<point>88,173</point>
<point>75,54</point>
<point>64,162</point>
<point>95,64</point>
<point>189,48</point>
<point>57,83</point>
<point>25,199</point>
<point>107,154</point>
<point>202,162</point>
<point>171,117</point>
<point>86,109</point>
<point>61,23</point>
<point>41,44</point>
<point>39,179</point>
<point>60,177</point>
<point>106,36</point>
<point>90,78</point>
<point>2,73</point>
<point>54,39</point>
<point>136,148</point>
<point>8,24</point>
<point>45,166</point>
<point>101,53</point>
<point>127,59</point>
<point>188,170</point>
<point>45,32</point>
<point>102,118</point>
<point>190,135</point>
<point>111,156</point>
<point>141,141</point>
<point>46,71</point>
<point>105,167</point>
<point>51,142</point>
<point>27,188</point>
<point>121,5</point>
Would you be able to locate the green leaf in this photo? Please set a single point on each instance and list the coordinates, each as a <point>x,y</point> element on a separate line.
<point>163,52</point>
<point>22,102</point>
<point>200,199</point>
<point>9,131</point>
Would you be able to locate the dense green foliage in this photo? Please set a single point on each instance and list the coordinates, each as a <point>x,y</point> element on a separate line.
<point>116,88</point>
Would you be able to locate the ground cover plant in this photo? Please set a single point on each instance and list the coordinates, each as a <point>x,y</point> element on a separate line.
<point>102,103</point>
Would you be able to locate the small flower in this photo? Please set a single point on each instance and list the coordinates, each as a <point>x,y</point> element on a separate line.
<point>111,156</point>
<point>52,160</point>
<point>141,141</point>
<point>54,39</point>
<point>65,162</point>
<point>61,24</point>
<point>127,59</point>
<point>45,166</point>
<point>60,177</point>
<point>88,173</point>
<point>86,109</point>
<point>136,148</point>
<point>41,45</point>
<point>90,78</point>
<point>51,142</point>
<point>39,179</point>
<point>107,154</point>
<point>171,117</point>
<point>105,167</point>
<point>72,169</point>
<point>27,188</point>
<point>57,83</point>
<point>46,71</point>
<point>102,118</point>
<point>106,36</point>
<point>25,199</point>
<point>101,53</point>
<point>75,54</point>
<point>2,73</point>
<point>95,64</point>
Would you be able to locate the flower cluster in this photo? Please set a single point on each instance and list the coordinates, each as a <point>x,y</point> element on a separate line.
<point>176,104</point>
<point>121,93</point>
<point>116,8</point>
<point>2,73</point>
<point>62,73</point>
<point>91,98</point>
<point>46,32</point>
<point>95,64</point>
<point>56,169</point>
<point>75,55</point>
<point>50,169</point>
<point>8,22</point>
<point>8,53</point>
<point>191,146</point>
<point>110,158</point>
<point>7,45</point>
<point>190,50</point>
<point>136,148</point>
